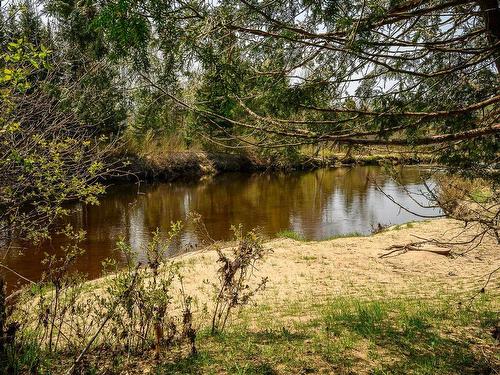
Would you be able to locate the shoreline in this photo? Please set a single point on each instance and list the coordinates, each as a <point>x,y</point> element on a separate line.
<point>195,165</point>
<point>352,266</point>
<point>333,299</point>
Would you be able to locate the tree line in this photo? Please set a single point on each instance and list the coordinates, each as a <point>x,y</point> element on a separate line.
<point>79,78</point>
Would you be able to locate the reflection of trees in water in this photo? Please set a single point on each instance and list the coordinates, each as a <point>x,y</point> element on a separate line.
<point>318,204</point>
<point>308,200</point>
<point>331,196</point>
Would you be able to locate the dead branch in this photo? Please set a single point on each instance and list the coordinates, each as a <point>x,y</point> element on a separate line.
<point>416,246</point>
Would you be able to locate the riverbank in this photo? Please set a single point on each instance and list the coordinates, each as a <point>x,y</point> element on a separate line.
<point>353,266</point>
<point>336,306</point>
<point>169,166</point>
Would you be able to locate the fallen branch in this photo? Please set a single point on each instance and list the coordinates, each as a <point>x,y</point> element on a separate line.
<point>416,246</point>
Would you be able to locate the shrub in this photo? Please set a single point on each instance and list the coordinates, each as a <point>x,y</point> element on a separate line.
<point>237,266</point>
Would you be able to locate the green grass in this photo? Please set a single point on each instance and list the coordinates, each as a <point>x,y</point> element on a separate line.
<point>401,336</point>
<point>481,195</point>
<point>345,235</point>
<point>27,360</point>
<point>287,233</point>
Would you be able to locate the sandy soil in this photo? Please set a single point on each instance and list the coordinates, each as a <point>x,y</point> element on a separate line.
<point>353,267</point>
<point>301,273</point>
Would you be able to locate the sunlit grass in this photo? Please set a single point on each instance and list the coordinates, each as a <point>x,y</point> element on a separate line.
<point>346,335</point>
<point>345,235</point>
<point>287,233</point>
<point>481,195</point>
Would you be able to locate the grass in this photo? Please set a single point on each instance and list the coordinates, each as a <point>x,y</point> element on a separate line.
<point>345,235</point>
<point>287,233</point>
<point>481,195</point>
<point>345,335</point>
<point>401,226</point>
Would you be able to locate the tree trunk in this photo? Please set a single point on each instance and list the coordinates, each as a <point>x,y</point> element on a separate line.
<point>491,12</point>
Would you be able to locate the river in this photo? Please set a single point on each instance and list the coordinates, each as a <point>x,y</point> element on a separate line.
<point>317,204</point>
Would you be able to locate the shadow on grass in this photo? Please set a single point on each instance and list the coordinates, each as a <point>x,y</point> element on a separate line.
<point>235,352</point>
<point>387,337</point>
<point>276,337</point>
<point>408,342</point>
<point>192,364</point>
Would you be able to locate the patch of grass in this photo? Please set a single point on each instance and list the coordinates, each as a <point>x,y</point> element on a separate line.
<point>287,233</point>
<point>481,195</point>
<point>348,335</point>
<point>414,337</point>
<point>186,365</point>
<point>25,359</point>
<point>403,226</point>
<point>345,235</point>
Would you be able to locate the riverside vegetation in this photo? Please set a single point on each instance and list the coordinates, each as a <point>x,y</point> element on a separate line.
<point>149,317</point>
<point>95,90</point>
<point>64,324</point>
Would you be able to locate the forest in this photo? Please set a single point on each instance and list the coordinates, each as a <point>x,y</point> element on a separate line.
<point>178,178</point>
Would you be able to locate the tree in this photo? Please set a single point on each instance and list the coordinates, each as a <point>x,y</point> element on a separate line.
<point>47,156</point>
<point>413,74</point>
<point>380,67</point>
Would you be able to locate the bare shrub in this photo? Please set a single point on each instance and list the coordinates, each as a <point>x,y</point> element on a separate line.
<point>237,267</point>
<point>143,318</point>
<point>130,311</point>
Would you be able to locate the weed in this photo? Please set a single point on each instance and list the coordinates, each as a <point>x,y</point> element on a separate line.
<point>235,271</point>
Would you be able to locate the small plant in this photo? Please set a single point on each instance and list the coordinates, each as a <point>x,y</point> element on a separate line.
<point>63,285</point>
<point>379,228</point>
<point>40,320</point>
<point>142,318</point>
<point>237,266</point>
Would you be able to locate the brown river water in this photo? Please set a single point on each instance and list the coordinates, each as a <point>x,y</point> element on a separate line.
<point>317,204</point>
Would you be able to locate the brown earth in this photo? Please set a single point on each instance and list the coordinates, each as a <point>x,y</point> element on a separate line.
<point>170,166</point>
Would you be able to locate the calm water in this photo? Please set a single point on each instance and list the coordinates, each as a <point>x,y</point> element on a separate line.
<point>317,204</point>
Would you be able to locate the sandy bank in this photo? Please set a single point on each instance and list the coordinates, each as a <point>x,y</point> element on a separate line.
<point>353,267</point>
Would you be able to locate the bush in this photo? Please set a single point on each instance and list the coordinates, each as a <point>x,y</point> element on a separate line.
<point>236,269</point>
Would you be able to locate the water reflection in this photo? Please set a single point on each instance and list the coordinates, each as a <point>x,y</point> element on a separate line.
<point>317,204</point>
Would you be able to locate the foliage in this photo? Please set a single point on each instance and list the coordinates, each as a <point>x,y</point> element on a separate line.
<point>272,77</point>
<point>143,313</point>
<point>139,308</point>
<point>47,156</point>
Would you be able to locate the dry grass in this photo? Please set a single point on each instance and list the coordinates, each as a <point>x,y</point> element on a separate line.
<point>336,307</point>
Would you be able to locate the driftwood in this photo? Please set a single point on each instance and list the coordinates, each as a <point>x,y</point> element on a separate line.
<point>416,246</point>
